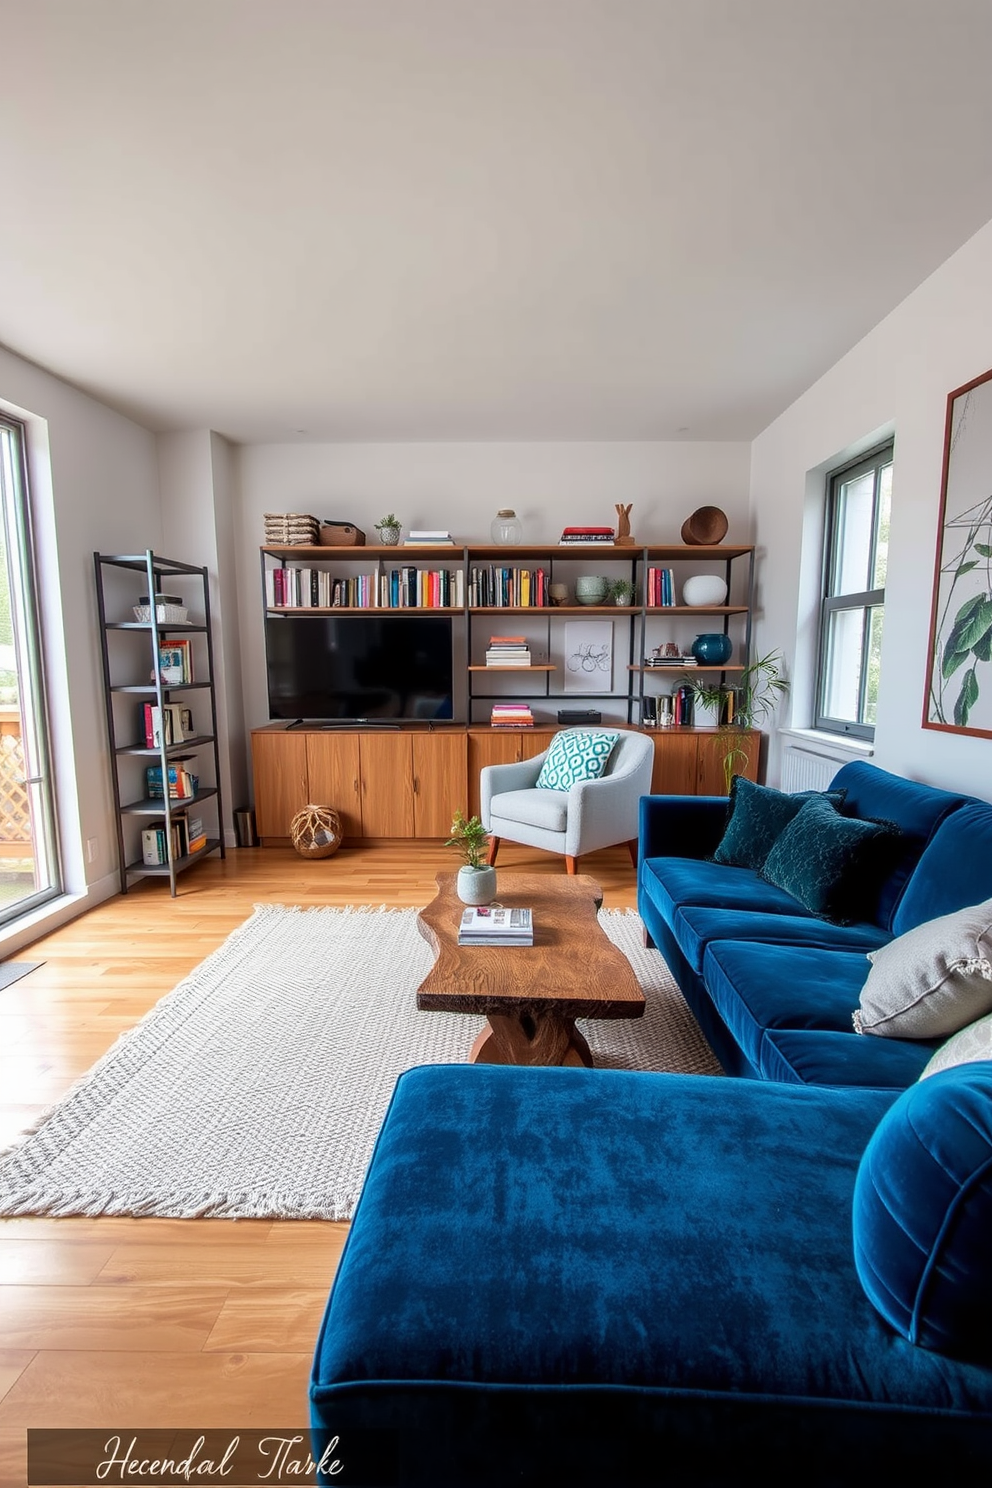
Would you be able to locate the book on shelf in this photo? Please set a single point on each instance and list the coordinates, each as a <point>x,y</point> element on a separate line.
<point>178,724</point>
<point>154,842</point>
<point>175,663</point>
<point>183,784</point>
<point>670,661</point>
<point>508,651</point>
<point>496,925</point>
<point>659,588</point>
<point>587,535</point>
<point>197,835</point>
<point>511,715</point>
<point>421,537</point>
<point>490,587</point>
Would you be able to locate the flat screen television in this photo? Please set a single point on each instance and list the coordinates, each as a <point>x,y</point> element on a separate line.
<point>359,668</point>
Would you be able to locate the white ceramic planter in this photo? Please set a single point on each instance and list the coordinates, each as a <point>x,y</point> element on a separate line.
<point>704,589</point>
<point>476,885</point>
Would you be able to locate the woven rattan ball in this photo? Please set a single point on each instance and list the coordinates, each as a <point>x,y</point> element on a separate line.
<point>316,831</point>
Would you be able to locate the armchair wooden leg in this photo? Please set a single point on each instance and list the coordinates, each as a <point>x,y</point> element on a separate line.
<point>493,850</point>
<point>571,865</point>
<point>632,849</point>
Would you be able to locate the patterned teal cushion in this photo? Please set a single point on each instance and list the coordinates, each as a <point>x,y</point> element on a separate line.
<point>829,862</point>
<point>758,816</point>
<point>574,756</point>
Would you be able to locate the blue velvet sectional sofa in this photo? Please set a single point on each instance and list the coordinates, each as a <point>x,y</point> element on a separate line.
<point>595,1277</point>
<point>773,986</point>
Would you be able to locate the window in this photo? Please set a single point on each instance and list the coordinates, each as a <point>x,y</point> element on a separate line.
<point>29,865</point>
<point>859,499</point>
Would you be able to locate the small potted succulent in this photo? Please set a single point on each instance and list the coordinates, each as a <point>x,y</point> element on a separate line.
<point>622,592</point>
<point>476,879</point>
<point>389,530</point>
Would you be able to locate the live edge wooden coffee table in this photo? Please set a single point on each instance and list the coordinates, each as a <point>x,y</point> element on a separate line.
<point>531,995</point>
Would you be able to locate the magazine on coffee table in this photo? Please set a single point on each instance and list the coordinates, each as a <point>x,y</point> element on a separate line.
<point>495,924</point>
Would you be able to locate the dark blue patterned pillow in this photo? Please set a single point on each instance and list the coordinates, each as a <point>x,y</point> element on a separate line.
<point>758,815</point>
<point>831,863</point>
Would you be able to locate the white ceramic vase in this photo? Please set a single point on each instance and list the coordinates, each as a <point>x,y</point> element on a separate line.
<point>476,885</point>
<point>704,589</point>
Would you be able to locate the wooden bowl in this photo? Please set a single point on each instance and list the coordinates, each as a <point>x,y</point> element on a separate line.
<point>708,524</point>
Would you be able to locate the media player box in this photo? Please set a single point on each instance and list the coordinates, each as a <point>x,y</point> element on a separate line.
<point>579,715</point>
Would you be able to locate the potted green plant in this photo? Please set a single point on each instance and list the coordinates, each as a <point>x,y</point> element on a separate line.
<point>622,592</point>
<point>476,882</point>
<point>759,689</point>
<point>389,530</point>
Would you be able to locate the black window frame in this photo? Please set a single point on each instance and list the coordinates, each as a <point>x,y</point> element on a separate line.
<point>867,600</point>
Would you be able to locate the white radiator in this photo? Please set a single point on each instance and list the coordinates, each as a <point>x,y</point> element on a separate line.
<point>803,769</point>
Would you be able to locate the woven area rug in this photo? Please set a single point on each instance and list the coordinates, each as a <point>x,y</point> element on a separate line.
<point>255,1088</point>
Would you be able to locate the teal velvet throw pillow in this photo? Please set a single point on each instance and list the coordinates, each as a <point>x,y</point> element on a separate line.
<point>758,815</point>
<point>576,755</point>
<point>830,863</point>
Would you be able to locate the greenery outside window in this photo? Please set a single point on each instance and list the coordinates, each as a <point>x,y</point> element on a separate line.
<point>859,500</point>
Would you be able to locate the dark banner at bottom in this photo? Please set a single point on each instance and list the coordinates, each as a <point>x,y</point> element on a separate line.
<point>361,1459</point>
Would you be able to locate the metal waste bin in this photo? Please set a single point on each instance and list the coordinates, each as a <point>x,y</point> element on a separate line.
<point>244,827</point>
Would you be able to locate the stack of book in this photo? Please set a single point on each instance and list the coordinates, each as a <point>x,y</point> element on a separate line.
<point>670,661</point>
<point>586,535</point>
<point>182,782</point>
<point>508,651</point>
<point>511,715</point>
<point>428,538</point>
<point>495,925</point>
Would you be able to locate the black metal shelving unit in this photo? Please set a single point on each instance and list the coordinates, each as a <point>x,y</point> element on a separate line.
<point>133,661</point>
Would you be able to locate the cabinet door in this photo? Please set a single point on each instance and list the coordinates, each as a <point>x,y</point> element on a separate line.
<point>498,747</point>
<point>535,741</point>
<point>675,763</point>
<point>387,784</point>
<point>333,769</point>
<point>279,762</point>
<point>711,775</point>
<point>439,782</point>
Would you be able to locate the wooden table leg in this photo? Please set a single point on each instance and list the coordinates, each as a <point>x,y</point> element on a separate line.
<point>526,1038</point>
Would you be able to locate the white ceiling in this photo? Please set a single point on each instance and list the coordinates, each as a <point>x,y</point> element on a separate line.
<point>477,219</point>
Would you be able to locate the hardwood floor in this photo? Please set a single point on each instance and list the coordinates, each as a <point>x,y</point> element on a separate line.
<point>149,1322</point>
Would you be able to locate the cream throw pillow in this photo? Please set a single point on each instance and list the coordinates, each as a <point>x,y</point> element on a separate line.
<point>967,1047</point>
<point>932,981</point>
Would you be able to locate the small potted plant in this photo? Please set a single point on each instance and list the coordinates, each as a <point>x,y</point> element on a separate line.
<point>622,592</point>
<point>389,530</point>
<point>477,878</point>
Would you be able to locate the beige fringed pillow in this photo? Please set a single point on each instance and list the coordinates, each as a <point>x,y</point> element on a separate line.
<point>932,981</point>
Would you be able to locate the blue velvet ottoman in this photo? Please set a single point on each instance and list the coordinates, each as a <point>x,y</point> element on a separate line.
<point>594,1277</point>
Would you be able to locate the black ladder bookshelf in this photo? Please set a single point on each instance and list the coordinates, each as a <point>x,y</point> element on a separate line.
<point>132,676</point>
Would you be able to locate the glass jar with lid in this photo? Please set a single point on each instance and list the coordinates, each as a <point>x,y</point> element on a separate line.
<point>506,528</point>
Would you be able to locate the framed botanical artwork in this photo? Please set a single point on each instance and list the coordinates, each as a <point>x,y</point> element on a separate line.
<point>959,668</point>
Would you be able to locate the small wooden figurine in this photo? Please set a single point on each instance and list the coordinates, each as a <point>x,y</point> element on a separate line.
<point>623,538</point>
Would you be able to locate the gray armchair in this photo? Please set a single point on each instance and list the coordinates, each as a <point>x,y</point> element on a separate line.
<point>593,814</point>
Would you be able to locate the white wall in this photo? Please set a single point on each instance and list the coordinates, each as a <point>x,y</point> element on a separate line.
<point>895,380</point>
<point>95,487</point>
<point>196,470</point>
<point>461,486</point>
